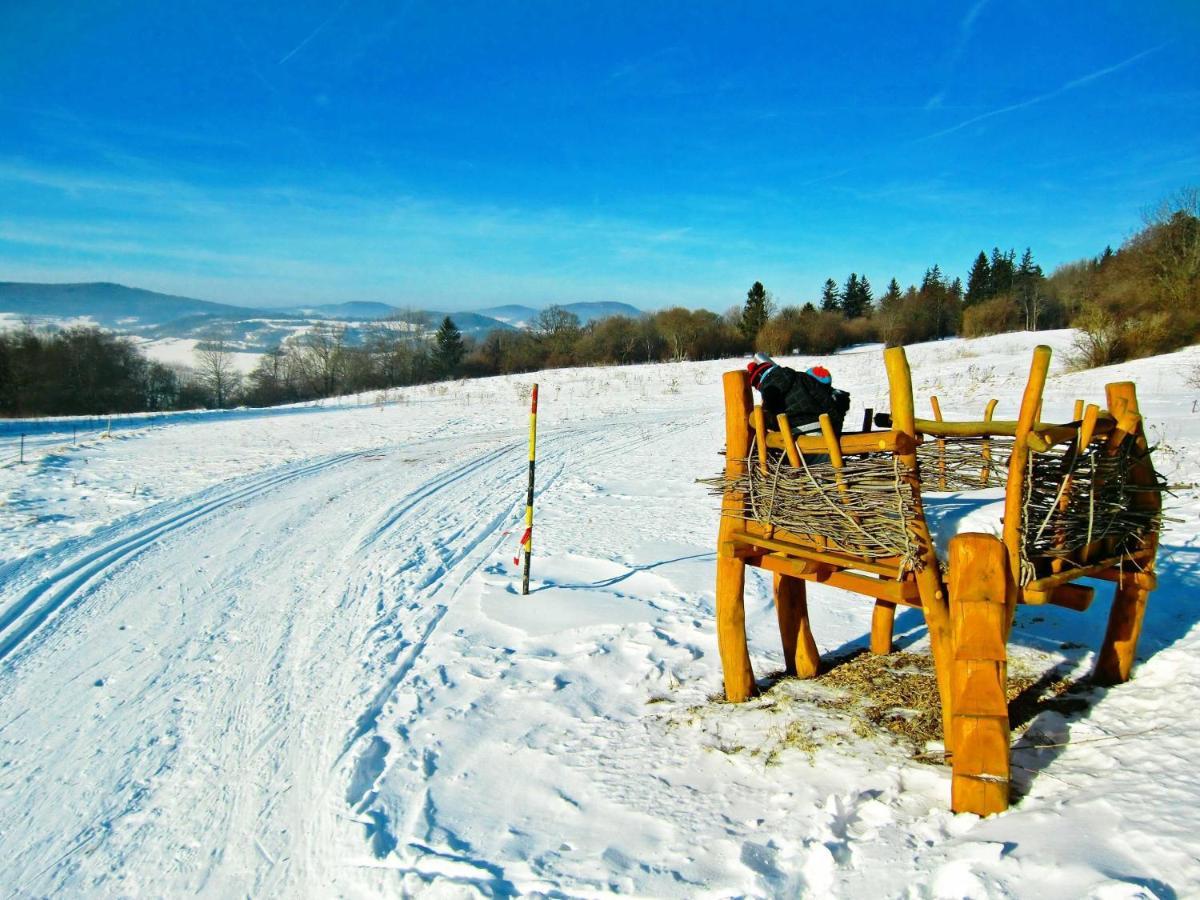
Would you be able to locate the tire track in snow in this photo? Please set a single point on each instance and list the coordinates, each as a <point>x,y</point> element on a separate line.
<point>22,617</point>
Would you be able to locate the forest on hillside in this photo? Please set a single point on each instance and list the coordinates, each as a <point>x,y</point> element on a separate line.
<point>1139,300</point>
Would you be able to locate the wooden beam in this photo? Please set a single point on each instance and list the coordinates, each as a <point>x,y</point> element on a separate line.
<point>839,560</point>
<point>1092,570</point>
<point>1070,596</point>
<point>871,442</point>
<point>904,592</point>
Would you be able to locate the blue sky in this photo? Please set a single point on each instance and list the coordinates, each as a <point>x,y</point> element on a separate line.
<point>467,154</point>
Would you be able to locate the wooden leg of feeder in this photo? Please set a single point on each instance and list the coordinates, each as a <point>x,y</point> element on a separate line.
<point>731,571</point>
<point>800,655</point>
<point>1115,663</point>
<point>882,622</point>
<point>980,588</point>
<point>731,630</point>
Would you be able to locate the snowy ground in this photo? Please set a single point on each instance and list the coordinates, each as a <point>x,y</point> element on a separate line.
<point>182,352</point>
<point>284,653</point>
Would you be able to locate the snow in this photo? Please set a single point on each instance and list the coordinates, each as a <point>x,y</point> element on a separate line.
<point>182,352</point>
<point>284,653</point>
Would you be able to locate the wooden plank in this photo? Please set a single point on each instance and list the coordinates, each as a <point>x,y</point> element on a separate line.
<point>1097,569</point>
<point>904,593</point>
<point>1070,596</point>
<point>805,552</point>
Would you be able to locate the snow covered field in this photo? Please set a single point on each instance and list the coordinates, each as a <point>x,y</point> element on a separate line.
<point>284,653</point>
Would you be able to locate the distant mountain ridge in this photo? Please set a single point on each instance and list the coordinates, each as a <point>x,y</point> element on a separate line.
<point>154,315</point>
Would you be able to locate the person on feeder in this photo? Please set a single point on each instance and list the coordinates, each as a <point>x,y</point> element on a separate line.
<point>804,396</point>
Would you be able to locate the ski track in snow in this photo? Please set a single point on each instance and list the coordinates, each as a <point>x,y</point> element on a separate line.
<point>318,678</point>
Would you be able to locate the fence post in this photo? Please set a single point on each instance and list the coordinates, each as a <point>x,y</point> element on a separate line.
<point>22,449</point>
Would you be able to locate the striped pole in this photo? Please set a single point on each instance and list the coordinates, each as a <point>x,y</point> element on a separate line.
<point>528,542</point>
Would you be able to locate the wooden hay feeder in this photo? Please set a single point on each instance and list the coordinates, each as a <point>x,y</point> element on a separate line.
<point>1082,499</point>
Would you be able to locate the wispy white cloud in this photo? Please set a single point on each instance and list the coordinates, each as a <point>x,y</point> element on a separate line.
<point>1042,98</point>
<point>966,28</point>
<point>312,34</point>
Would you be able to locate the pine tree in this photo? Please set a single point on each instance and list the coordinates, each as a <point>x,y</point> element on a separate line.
<point>856,297</point>
<point>1027,283</point>
<point>891,297</point>
<point>1003,270</point>
<point>979,281</point>
<point>756,311</point>
<point>831,300</point>
<point>450,347</point>
<point>850,297</point>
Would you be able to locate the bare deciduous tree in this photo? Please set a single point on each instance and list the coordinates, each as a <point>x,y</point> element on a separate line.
<point>218,374</point>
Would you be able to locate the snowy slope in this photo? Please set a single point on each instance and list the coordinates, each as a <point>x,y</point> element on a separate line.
<point>284,654</point>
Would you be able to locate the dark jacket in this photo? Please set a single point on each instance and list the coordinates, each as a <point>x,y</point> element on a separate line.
<point>802,397</point>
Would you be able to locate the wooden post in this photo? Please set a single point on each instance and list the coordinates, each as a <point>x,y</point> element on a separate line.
<point>987,445</point>
<point>731,571</point>
<point>789,443</point>
<point>941,444</point>
<point>928,576</point>
<point>760,439</point>
<point>1014,494</point>
<point>800,656</point>
<point>981,588</point>
<point>1115,662</point>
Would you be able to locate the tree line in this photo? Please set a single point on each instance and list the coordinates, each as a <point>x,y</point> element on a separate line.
<point>1141,299</point>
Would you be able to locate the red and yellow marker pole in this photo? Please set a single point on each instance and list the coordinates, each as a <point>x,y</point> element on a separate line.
<point>527,539</point>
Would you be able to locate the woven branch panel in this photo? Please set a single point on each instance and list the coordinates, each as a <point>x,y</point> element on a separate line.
<point>864,509</point>
<point>1075,498</point>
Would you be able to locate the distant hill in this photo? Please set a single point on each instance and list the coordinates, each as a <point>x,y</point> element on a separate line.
<point>526,316</point>
<point>511,314</point>
<point>154,317</point>
<point>111,305</point>
<point>354,309</point>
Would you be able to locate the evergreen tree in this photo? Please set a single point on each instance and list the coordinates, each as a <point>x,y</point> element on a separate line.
<point>450,347</point>
<point>1003,269</point>
<point>979,281</point>
<point>756,311</point>
<point>891,297</point>
<point>831,300</point>
<point>850,298</point>
<point>936,302</point>
<point>1027,284</point>
<point>856,297</point>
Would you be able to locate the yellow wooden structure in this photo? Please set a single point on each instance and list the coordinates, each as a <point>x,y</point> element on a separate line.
<point>968,600</point>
